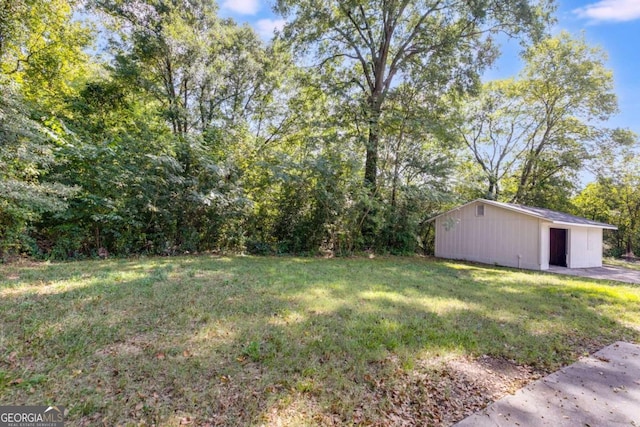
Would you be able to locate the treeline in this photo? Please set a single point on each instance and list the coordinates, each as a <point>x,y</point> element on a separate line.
<point>346,132</point>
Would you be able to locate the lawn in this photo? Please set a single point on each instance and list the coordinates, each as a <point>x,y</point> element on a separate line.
<point>291,341</point>
<point>632,265</point>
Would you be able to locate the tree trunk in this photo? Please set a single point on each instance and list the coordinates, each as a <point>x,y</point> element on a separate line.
<point>632,228</point>
<point>396,171</point>
<point>492,193</point>
<point>369,212</point>
<point>524,180</point>
<point>371,163</point>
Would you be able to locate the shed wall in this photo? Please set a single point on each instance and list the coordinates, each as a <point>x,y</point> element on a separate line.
<point>499,237</point>
<point>585,247</point>
<point>545,241</point>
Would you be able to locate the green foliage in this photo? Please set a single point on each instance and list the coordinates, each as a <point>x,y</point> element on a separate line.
<point>192,134</point>
<point>416,166</point>
<point>26,154</point>
<point>366,48</point>
<point>567,91</point>
<point>530,137</point>
<point>615,198</point>
<point>41,48</point>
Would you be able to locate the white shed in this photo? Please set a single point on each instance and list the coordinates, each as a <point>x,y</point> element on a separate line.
<point>518,236</point>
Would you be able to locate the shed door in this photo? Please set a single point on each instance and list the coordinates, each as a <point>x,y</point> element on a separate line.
<point>558,247</point>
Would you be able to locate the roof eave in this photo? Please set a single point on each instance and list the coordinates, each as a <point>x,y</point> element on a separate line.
<point>575,224</point>
<point>527,213</point>
<point>512,208</point>
<point>453,210</point>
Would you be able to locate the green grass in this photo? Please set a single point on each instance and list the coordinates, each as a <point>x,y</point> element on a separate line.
<point>251,341</point>
<point>632,265</point>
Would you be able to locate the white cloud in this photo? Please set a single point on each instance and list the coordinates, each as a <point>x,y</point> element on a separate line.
<point>610,11</point>
<point>243,7</point>
<point>266,27</point>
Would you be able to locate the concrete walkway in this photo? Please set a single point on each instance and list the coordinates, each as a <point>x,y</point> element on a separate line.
<point>606,272</point>
<point>599,390</point>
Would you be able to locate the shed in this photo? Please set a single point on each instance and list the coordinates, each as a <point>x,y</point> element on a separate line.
<point>519,236</point>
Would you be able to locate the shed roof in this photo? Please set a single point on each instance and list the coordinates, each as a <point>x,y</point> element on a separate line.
<point>554,217</point>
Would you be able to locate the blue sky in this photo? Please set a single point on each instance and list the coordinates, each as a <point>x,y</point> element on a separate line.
<point>614,25</point>
<point>258,13</point>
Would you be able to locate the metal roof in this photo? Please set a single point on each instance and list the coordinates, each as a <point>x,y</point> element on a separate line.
<point>542,213</point>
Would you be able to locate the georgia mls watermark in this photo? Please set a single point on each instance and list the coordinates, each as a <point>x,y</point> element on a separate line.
<point>31,416</point>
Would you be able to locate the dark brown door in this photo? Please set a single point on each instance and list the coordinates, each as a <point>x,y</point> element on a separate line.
<point>558,247</point>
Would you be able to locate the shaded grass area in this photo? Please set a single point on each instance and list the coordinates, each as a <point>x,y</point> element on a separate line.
<point>244,340</point>
<point>632,265</point>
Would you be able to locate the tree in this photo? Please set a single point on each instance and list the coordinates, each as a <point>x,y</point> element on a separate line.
<point>615,196</point>
<point>165,133</point>
<point>167,49</point>
<point>26,153</point>
<point>531,136</point>
<point>41,57</point>
<point>567,90</point>
<point>417,162</point>
<point>206,72</point>
<point>301,181</point>
<point>493,126</point>
<point>379,43</point>
<point>42,49</point>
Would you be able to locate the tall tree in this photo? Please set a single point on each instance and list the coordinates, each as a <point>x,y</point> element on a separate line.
<point>167,48</point>
<point>26,154</point>
<point>615,195</point>
<point>493,127</point>
<point>206,72</point>
<point>378,43</point>
<point>415,162</point>
<point>41,58</point>
<point>532,135</point>
<point>188,99</point>
<point>42,48</point>
<point>567,91</point>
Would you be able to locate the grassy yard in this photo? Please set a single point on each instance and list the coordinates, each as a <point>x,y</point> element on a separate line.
<point>632,265</point>
<point>289,341</point>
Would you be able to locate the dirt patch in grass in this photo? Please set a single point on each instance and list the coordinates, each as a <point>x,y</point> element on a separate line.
<point>440,394</point>
<point>435,393</point>
<point>120,349</point>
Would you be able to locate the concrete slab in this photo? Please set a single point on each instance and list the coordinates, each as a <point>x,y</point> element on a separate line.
<point>606,272</point>
<point>599,390</point>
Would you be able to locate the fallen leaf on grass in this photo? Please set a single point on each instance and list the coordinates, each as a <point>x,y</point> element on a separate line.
<point>13,357</point>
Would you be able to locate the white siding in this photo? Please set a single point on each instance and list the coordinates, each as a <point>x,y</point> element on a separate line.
<point>499,237</point>
<point>545,241</point>
<point>585,247</point>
